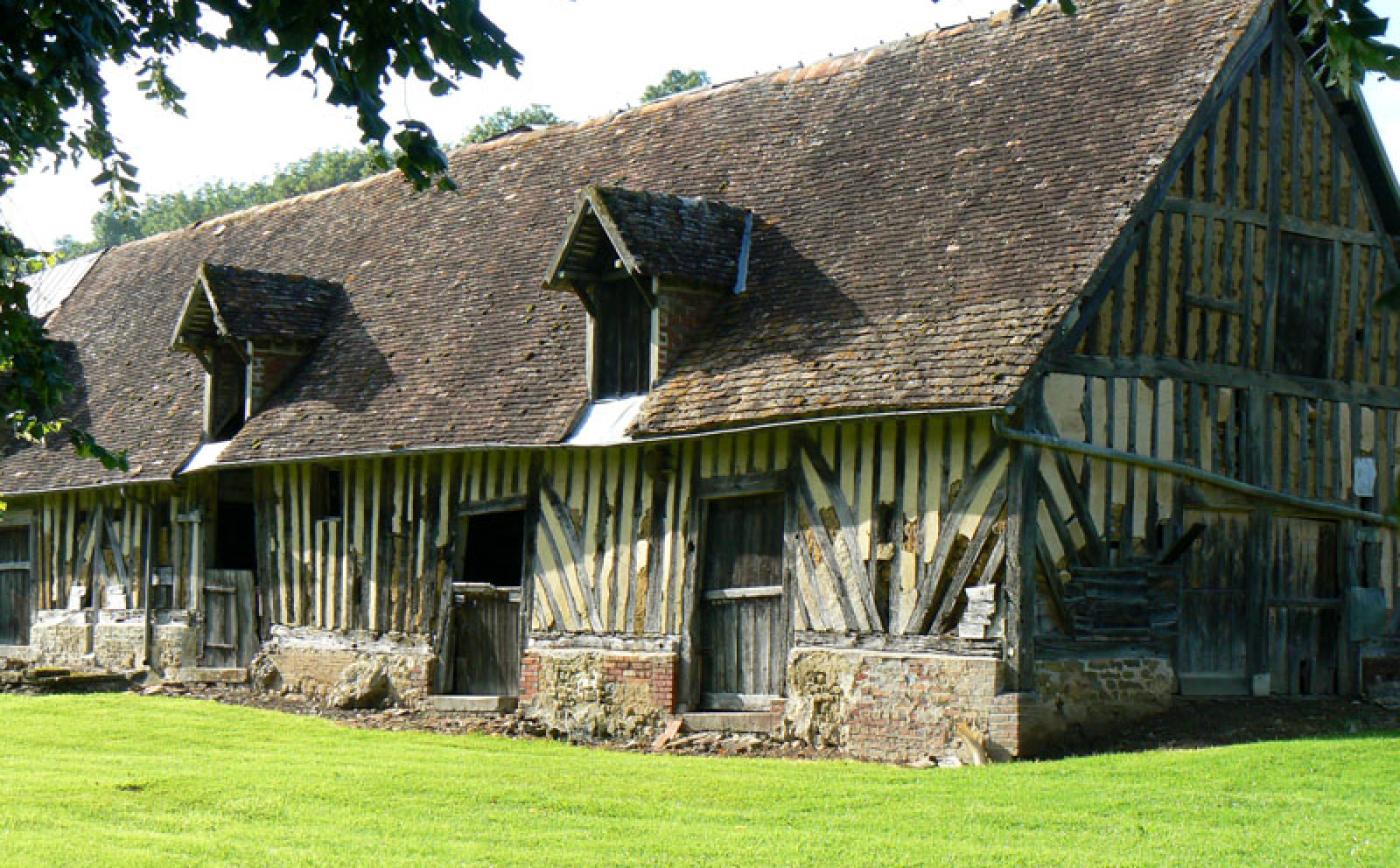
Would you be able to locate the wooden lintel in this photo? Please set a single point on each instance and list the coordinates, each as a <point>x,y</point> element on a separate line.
<point>737,486</point>
<point>502,504</point>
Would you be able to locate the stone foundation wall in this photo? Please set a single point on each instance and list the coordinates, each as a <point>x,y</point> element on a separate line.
<point>312,663</point>
<point>889,706</point>
<point>599,693</point>
<point>1380,674</point>
<point>1090,694</point>
<point>64,638</point>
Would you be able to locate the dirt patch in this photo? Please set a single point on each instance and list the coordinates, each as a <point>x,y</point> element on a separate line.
<point>1189,723</point>
<point>1197,723</point>
<point>508,725</point>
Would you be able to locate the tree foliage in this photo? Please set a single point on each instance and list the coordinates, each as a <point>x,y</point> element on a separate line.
<point>505,119</point>
<point>676,81</point>
<point>53,109</point>
<point>115,224</point>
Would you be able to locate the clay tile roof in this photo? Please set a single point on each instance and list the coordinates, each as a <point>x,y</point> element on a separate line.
<point>678,236</point>
<point>924,214</point>
<point>259,305</point>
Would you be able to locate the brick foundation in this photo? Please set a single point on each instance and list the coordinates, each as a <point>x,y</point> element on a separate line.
<point>598,693</point>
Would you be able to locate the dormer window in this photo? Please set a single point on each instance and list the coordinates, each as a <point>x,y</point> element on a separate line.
<point>622,339</point>
<point>648,268</point>
<point>249,330</point>
<point>226,404</point>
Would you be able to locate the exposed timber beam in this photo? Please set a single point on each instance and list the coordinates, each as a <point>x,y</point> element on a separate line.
<point>1186,471</point>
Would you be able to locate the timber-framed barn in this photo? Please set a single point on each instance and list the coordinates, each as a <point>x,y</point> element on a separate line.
<point>1012,378</point>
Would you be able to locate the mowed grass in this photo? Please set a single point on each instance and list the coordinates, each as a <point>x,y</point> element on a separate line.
<point>120,778</point>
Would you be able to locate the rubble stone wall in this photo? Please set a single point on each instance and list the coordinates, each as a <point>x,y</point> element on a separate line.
<point>598,693</point>
<point>312,663</point>
<point>891,706</point>
<point>1091,694</point>
<point>64,638</point>
<point>1380,673</point>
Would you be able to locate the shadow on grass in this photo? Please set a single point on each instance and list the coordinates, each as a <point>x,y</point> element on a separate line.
<point>1200,723</point>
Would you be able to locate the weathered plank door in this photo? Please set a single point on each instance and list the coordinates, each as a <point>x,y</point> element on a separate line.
<point>742,631</point>
<point>1304,608</point>
<point>486,639</point>
<point>230,622</point>
<point>14,585</point>
<point>1213,625</point>
<point>482,632</point>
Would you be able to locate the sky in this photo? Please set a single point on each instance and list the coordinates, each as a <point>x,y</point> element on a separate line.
<point>583,58</point>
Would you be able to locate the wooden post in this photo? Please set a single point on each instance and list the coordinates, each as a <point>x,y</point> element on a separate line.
<point>143,578</point>
<point>1020,588</point>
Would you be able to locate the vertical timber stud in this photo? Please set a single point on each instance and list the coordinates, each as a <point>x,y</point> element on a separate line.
<point>530,564</point>
<point>1020,589</point>
<point>1274,192</point>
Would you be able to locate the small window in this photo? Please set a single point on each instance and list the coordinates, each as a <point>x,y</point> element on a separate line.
<point>1303,315</point>
<point>327,494</point>
<point>621,341</point>
<point>491,548</point>
<point>228,393</point>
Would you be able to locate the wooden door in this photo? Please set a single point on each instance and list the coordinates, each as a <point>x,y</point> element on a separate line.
<point>486,639</point>
<point>482,642</point>
<point>230,624</point>
<point>1213,620</point>
<point>742,633</point>
<point>14,585</point>
<point>1304,623</point>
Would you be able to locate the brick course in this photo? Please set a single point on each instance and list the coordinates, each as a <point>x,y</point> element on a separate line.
<point>682,315</point>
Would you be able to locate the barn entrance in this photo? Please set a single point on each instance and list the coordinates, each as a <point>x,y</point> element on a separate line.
<point>1304,598</point>
<point>228,598</point>
<point>14,585</point>
<point>742,635</point>
<point>1213,620</point>
<point>1290,607</point>
<point>481,648</point>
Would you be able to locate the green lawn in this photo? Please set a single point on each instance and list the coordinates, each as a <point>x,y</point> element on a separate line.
<point>123,778</point>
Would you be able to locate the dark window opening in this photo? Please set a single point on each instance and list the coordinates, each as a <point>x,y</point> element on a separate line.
<point>163,588</point>
<point>327,489</point>
<point>228,387</point>
<point>235,538</point>
<point>621,341</point>
<point>235,525</point>
<point>1303,314</point>
<point>491,548</point>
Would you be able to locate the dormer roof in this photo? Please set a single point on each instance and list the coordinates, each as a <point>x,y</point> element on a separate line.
<point>240,303</point>
<point>684,238</point>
